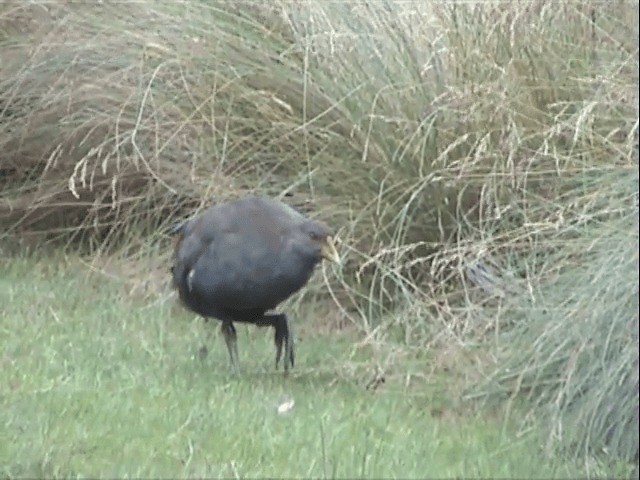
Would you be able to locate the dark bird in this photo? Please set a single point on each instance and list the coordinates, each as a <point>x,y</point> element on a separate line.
<point>238,260</point>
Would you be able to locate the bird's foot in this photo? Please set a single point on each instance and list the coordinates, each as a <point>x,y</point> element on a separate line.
<point>235,369</point>
<point>203,352</point>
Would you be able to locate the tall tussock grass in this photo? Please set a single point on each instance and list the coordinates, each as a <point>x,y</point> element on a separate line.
<point>464,150</point>
<point>571,345</point>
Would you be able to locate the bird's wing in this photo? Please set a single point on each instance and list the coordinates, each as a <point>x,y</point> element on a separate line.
<point>241,259</point>
<point>238,272</point>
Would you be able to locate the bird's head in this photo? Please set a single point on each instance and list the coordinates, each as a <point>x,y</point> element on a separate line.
<point>318,238</point>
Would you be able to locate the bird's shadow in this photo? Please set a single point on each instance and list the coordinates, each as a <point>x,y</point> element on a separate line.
<point>299,377</point>
<point>268,374</point>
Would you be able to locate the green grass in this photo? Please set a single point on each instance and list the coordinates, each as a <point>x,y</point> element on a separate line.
<point>97,384</point>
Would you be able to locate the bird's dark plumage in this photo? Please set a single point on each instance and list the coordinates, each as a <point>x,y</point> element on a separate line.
<point>237,260</point>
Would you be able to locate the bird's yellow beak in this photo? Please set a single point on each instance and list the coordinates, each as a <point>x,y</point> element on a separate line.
<point>329,252</point>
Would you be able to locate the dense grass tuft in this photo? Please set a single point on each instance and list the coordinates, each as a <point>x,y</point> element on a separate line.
<point>572,348</point>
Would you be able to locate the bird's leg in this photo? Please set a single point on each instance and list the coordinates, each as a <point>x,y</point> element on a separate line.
<point>283,337</point>
<point>278,337</point>
<point>230,338</point>
<point>289,353</point>
<point>204,350</point>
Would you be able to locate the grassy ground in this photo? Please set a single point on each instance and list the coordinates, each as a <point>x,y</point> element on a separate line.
<point>95,383</point>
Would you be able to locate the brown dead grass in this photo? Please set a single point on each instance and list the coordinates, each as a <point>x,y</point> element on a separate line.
<point>430,136</point>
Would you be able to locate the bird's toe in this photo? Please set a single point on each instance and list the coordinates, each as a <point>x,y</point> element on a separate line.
<point>203,352</point>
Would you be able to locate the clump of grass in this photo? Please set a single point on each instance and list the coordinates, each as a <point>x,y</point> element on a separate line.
<point>396,120</point>
<point>572,349</point>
